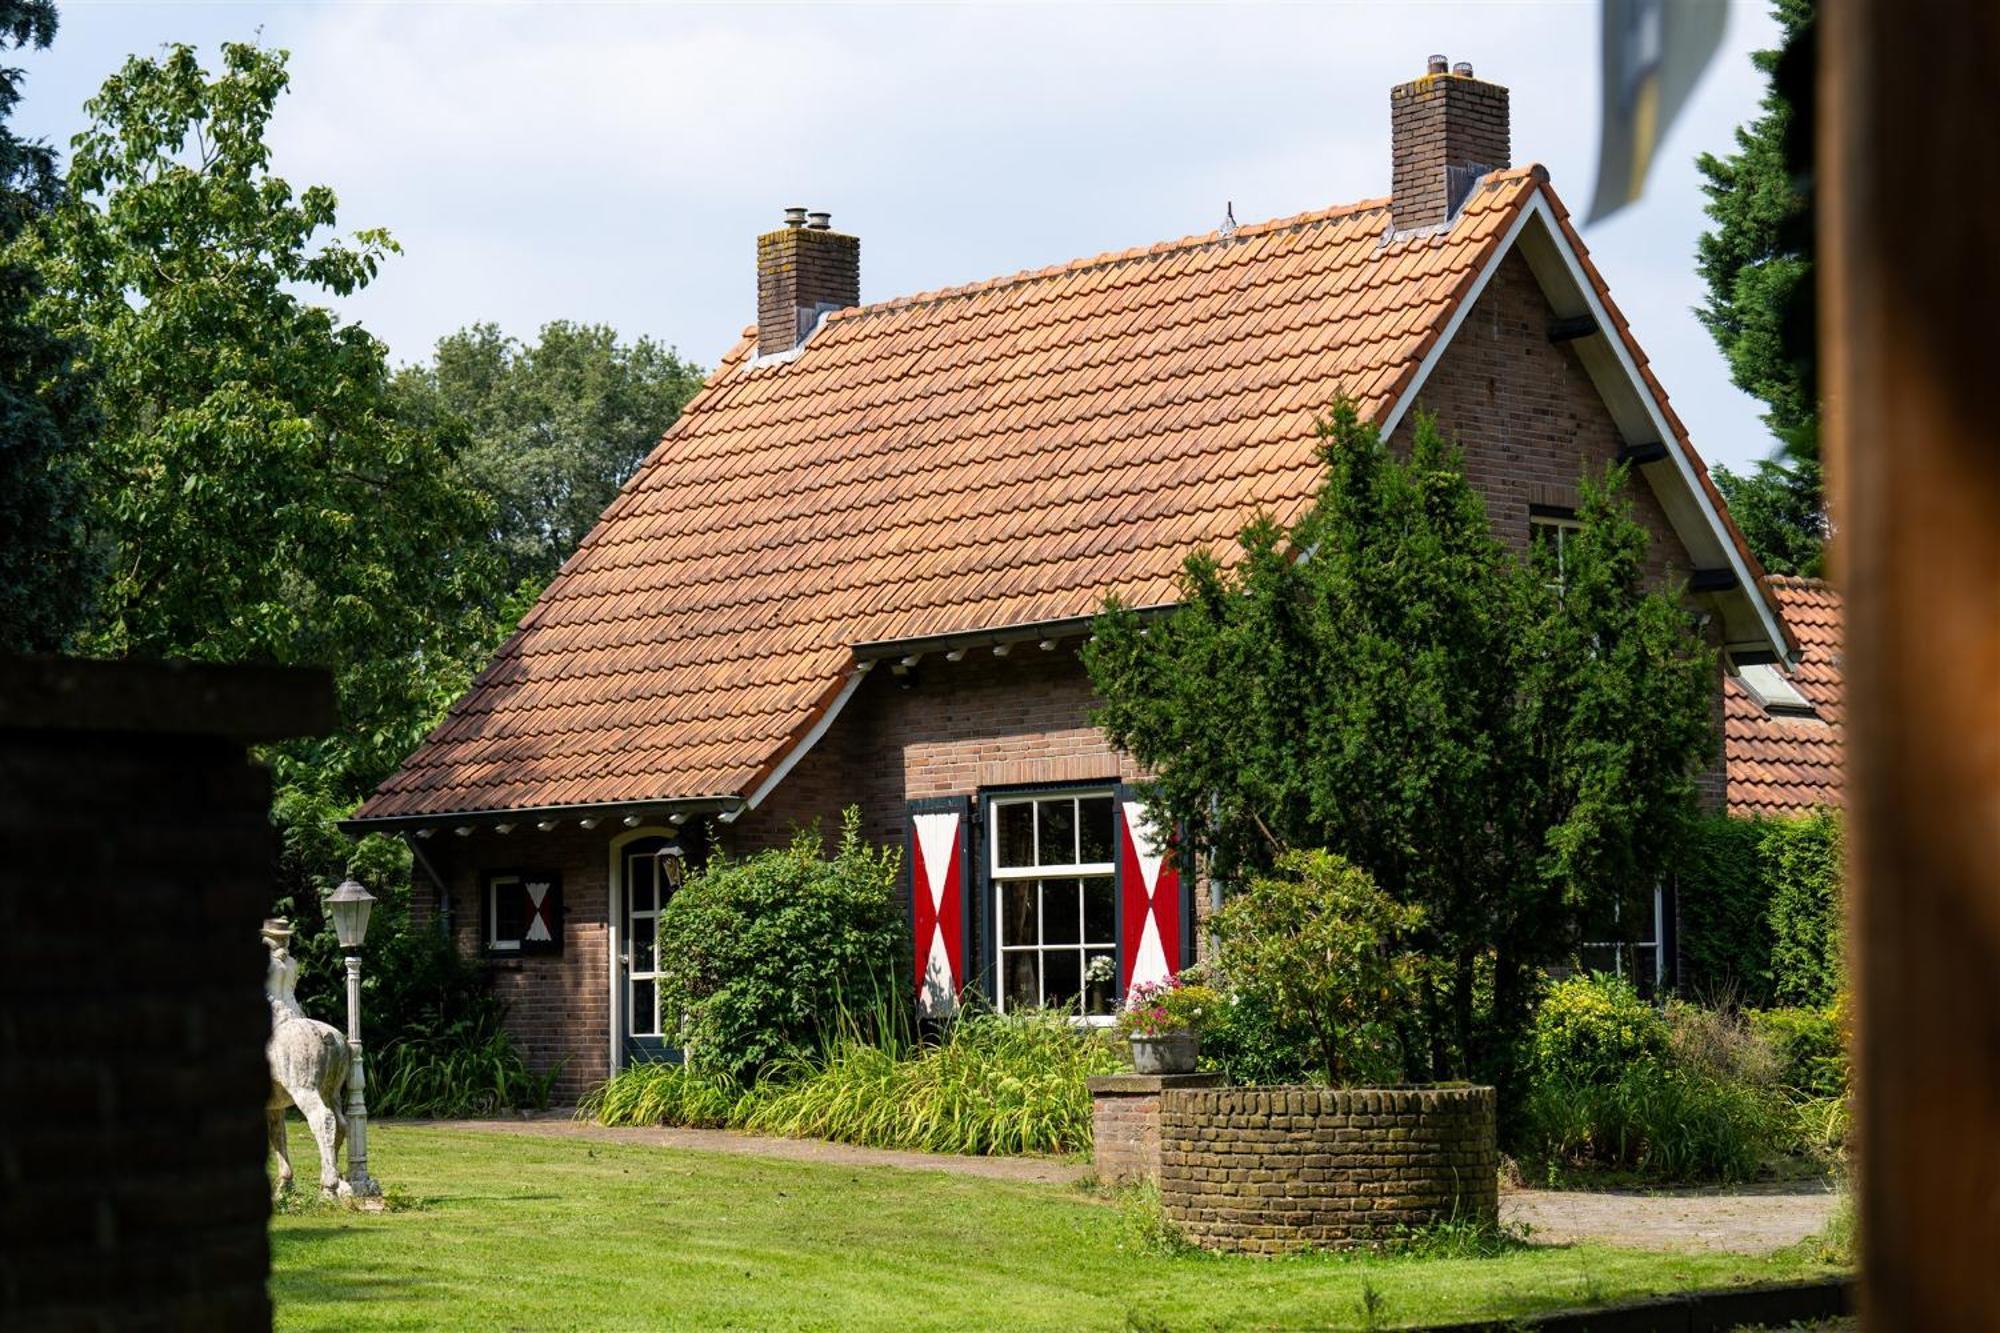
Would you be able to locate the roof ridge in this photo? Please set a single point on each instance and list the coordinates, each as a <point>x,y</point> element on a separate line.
<point>1109,259</point>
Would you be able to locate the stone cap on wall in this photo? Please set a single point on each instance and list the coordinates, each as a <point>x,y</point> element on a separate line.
<point>239,702</point>
<point>1138,1083</point>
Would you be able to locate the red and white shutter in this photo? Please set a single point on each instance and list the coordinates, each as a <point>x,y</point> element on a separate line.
<point>1149,891</point>
<point>939,877</point>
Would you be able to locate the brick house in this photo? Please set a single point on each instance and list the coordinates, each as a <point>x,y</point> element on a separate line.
<point>857,570</point>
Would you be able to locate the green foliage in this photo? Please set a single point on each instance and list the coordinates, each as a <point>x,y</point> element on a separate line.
<point>1503,748</point>
<point>1761,908</point>
<point>995,1083</point>
<point>1810,1046</point>
<point>1590,1028</point>
<point>1324,948</point>
<point>1802,860</point>
<point>1244,1040</point>
<point>551,428</point>
<point>47,415</point>
<point>1664,1123</point>
<point>255,495</point>
<point>1757,263</point>
<point>1154,1009</point>
<point>756,953</point>
<point>992,1084</point>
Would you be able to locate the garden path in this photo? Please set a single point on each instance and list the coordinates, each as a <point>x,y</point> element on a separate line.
<point>1746,1219</point>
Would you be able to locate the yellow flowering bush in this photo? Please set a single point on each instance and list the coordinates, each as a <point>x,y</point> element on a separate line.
<point>1595,1027</point>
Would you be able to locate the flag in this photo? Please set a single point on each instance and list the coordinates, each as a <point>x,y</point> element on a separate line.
<point>1654,53</point>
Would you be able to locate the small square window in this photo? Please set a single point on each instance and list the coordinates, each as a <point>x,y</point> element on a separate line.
<point>523,912</point>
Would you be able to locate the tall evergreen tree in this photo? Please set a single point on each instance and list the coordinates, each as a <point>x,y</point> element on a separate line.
<point>46,412</point>
<point>1508,745</point>
<point>1757,263</point>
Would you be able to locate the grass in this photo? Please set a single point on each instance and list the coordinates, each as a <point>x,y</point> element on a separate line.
<point>520,1232</point>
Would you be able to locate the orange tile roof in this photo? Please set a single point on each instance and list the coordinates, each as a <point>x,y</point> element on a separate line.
<point>998,454</point>
<point>1787,765</point>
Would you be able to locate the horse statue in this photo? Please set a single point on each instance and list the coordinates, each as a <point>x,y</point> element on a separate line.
<point>308,1062</point>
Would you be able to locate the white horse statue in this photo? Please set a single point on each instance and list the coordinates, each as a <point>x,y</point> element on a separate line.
<point>308,1062</point>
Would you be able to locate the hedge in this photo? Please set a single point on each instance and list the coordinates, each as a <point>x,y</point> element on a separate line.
<point>1760,909</point>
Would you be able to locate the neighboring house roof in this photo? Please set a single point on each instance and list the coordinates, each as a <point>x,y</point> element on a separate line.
<point>1001,454</point>
<point>1789,763</point>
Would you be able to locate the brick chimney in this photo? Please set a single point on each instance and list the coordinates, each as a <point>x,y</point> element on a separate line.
<point>1447,129</point>
<point>804,269</point>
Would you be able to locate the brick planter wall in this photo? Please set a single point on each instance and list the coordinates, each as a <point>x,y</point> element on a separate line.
<point>1273,1170</point>
<point>1125,1122</point>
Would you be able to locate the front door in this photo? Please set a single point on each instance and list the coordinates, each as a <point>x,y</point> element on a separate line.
<point>645,893</point>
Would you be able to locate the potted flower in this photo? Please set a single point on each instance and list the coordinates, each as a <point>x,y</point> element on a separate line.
<point>1162,1020</point>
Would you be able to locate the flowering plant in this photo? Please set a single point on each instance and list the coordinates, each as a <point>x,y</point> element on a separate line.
<point>1161,1008</point>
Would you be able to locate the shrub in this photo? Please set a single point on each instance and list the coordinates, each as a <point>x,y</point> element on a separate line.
<point>1810,1046</point>
<point>990,1084</point>
<point>1244,1040</point>
<point>1321,946</point>
<point>995,1083</point>
<point>1664,1123</point>
<point>662,1094</point>
<point>1802,860</point>
<point>1721,1044</point>
<point>1590,1029</point>
<point>759,954</point>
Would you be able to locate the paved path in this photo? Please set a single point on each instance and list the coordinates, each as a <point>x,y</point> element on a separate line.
<point>1749,1219</point>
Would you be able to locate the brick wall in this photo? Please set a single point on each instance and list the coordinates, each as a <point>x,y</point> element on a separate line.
<point>1125,1122</point>
<point>138,863</point>
<point>1277,1170</point>
<point>558,1005</point>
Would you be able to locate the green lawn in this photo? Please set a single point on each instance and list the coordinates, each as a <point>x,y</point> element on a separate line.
<point>517,1232</point>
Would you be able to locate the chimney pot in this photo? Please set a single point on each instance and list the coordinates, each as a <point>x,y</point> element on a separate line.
<point>1444,134</point>
<point>795,217</point>
<point>820,221</point>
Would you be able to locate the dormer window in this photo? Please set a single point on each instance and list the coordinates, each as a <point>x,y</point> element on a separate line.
<point>1772,690</point>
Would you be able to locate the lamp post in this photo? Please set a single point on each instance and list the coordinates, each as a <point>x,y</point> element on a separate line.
<point>349,905</point>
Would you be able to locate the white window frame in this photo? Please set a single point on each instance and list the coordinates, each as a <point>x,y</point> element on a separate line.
<point>1560,525</point>
<point>494,944</point>
<point>615,981</point>
<point>1657,946</point>
<point>999,876</point>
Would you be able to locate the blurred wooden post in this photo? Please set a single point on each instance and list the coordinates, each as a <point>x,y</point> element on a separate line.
<point>1909,215</point>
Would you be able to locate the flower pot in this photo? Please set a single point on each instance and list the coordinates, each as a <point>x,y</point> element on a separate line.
<point>1168,1053</point>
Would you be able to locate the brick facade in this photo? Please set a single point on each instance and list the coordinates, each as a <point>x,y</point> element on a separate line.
<point>1279,1170</point>
<point>139,847</point>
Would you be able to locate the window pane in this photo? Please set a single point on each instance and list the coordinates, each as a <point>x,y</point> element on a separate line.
<point>1062,914</point>
<point>1100,910</point>
<point>1097,994</point>
<point>1020,985</point>
<point>641,1018</point>
<point>639,883</point>
<point>643,940</point>
<point>510,910</point>
<point>1062,978</point>
<point>1017,833</point>
<point>1058,833</point>
<point>1093,830</point>
<point>1017,912</point>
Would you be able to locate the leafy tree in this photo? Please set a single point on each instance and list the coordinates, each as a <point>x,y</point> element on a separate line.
<point>1760,309</point>
<point>1503,744</point>
<point>552,428</point>
<point>46,413</point>
<point>1320,945</point>
<point>256,495</point>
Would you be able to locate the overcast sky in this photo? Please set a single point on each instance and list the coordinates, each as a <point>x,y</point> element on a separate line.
<point>614,162</point>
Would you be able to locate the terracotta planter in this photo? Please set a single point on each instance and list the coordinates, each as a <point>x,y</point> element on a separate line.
<point>1168,1053</point>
